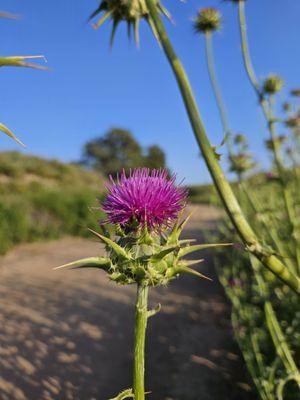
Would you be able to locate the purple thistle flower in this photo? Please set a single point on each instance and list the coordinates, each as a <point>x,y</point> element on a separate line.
<point>146,197</point>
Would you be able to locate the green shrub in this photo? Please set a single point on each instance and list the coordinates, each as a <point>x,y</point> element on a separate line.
<point>42,199</point>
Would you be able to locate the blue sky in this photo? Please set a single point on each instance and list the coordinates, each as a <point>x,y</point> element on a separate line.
<point>91,88</point>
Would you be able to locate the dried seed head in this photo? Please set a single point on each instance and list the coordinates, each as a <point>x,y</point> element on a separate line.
<point>130,11</point>
<point>272,84</point>
<point>207,20</point>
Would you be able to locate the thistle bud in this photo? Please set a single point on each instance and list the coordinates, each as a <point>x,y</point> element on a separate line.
<point>295,92</point>
<point>269,144</point>
<point>286,106</point>
<point>293,122</point>
<point>207,20</point>
<point>277,142</point>
<point>272,84</point>
<point>241,163</point>
<point>239,139</point>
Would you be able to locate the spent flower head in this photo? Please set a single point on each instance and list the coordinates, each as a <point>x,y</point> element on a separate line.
<point>207,20</point>
<point>272,84</point>
<point>129,11</point>
<point>144,198</point>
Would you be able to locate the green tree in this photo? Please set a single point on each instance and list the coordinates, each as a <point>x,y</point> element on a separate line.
<point>118,149</point>
<point>155,157</point>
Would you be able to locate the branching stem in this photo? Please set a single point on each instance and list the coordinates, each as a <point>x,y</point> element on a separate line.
<point>272,262</point>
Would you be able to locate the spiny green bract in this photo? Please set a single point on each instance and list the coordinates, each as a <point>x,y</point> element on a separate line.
<point>130,11</point>
<point>149,259</point>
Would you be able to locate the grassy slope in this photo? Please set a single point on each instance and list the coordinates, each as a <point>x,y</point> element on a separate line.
<point>42,199</point>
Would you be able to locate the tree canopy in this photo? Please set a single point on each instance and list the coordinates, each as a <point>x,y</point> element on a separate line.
<point>118,150</point>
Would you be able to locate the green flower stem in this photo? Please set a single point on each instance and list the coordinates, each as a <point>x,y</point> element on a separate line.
<point>279,340</point>
<point>141,316</point>
<point>245,49</point>
<point>226,194</point>
<point>217,92</point>
<point>270,118</point>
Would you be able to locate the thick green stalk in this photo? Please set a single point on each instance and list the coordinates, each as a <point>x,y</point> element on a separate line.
<point>270,118</point>
<point>226,194</point>
<point>141,316</point>
<point>216,90</point>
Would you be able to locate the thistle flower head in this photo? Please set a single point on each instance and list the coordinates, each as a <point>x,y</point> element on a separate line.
<point>272,84</point>
<point>130,11</point>
<point>207,20</point>
<point>144,198</point>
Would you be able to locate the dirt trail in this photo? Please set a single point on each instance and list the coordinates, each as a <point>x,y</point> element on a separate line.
<point>68,335</point>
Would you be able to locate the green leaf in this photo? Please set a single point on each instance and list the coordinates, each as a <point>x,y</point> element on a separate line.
<point>154,311</point>
<point>91,262</point>
<point>20,61</point>
<point>190,249</point>
<point>113,245</point>
<point>8,132</point>
<point>126,394</point>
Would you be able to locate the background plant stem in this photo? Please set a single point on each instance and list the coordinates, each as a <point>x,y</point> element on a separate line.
<point>217,92</point>
<point>271,120</point>
<point>226,194</point>
<point>141,316</point>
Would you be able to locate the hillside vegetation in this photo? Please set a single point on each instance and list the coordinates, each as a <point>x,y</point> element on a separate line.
<point>44,199</point>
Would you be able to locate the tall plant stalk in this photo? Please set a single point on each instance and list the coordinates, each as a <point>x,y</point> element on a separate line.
<point>228,134</point>
<point>141,316</point>
<point>267,109</point>
<point>217,92</point>
<point>272,262</point>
